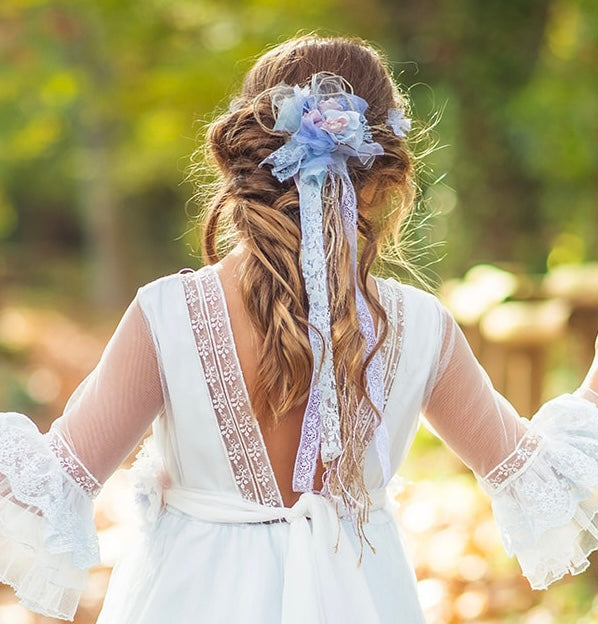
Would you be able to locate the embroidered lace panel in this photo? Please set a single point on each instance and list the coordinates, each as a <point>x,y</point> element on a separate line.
<point>392,301</point>
<point>34,476</point>
<point>240,431</point>
<point>514,464</point>
<point>71,464</point>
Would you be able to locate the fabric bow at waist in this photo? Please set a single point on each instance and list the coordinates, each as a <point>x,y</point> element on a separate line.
<point>323,582</point>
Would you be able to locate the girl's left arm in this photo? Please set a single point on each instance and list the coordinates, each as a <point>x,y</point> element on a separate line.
<point>541,474</point>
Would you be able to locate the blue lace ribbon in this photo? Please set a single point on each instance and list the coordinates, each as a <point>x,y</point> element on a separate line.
<point>327,126</point>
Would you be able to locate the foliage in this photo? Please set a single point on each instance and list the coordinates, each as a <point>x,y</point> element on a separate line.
<point>100,102</point>
<point>516,82</point>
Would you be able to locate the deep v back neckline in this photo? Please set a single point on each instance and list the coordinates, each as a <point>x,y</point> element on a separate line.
<point>240,430</point>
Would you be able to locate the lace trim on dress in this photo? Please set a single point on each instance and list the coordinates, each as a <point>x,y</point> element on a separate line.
<point>47,534</point>
<point>513,465</point>
<point>71,464</point>
<point>239,430</point>
<point>391,300</point>
<point>547,505</point>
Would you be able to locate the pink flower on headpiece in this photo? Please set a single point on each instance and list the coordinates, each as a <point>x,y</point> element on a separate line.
<point>345,127</point>
<point>336,125</point>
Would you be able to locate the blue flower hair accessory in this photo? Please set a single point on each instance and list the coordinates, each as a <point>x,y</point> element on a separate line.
<point>327,126</point>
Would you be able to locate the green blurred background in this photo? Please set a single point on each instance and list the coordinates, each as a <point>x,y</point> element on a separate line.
<point>103,101</point>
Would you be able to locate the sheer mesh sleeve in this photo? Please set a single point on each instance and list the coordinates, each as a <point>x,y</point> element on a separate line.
<point>47,482</point>
<point>542,475</point>
<point>110,411</point>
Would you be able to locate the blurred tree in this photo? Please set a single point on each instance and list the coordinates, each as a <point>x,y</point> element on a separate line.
<point>99,102</point>
<point>517,78</point>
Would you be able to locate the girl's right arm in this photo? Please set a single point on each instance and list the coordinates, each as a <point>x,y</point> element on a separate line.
<point>47,482</point>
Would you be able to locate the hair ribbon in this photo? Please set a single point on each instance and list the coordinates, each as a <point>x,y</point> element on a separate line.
<point>326,127</point>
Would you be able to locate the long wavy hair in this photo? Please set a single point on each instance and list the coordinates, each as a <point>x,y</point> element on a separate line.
<point>250,205</point>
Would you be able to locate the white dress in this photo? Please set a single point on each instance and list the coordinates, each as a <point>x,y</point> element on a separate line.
<point>219,546</point>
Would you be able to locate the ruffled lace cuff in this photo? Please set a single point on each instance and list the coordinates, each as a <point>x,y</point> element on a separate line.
<point>48,539</point>
<point>545,494</point>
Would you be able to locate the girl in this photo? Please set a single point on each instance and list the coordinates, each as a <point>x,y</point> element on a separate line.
<point>283,383</point>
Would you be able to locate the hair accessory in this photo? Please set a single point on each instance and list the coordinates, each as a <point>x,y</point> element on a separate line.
<point>327,126</point>
<point>400,124</point>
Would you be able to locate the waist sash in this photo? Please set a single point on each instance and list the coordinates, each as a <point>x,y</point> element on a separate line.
<point>323,582</point>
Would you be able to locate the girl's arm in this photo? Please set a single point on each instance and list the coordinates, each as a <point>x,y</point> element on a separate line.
<point>113,407</point>
<point>589,387</point>
<point>47,482</point>
<point>542,474</point>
